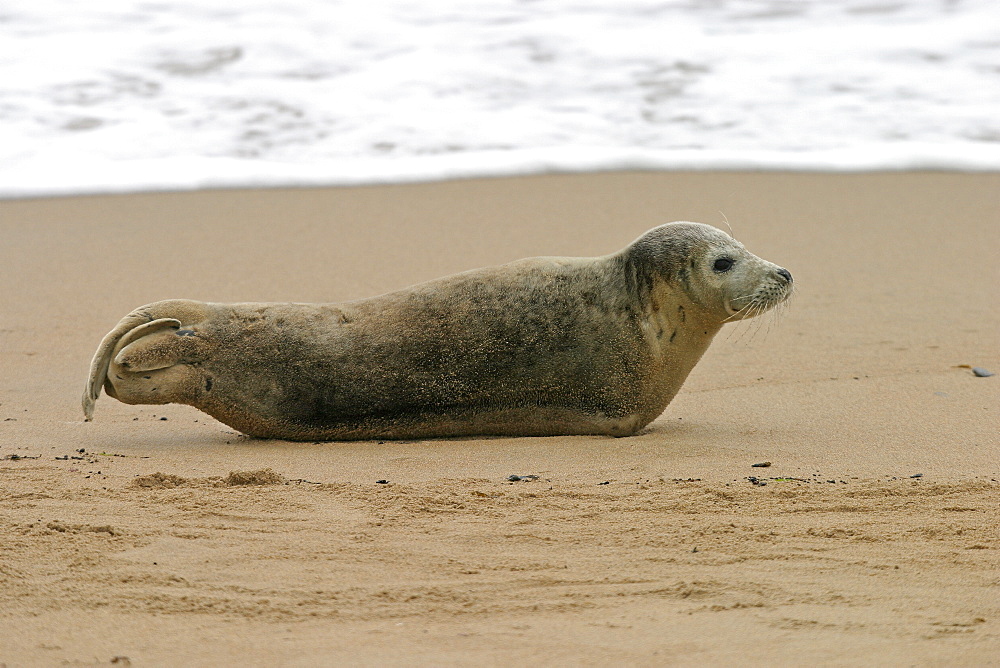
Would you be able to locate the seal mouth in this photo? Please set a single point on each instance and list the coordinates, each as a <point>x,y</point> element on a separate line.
<point>753,305</point>
<point>732,310</point>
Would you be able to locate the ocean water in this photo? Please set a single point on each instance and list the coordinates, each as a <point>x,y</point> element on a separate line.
<point>125,95</point>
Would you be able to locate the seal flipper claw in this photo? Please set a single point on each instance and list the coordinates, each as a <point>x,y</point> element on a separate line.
<point>129,329</point>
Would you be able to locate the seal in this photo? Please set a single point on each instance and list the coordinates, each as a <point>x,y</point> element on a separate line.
<point>541,346</point>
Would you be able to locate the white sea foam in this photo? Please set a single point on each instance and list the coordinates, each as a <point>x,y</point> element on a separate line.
<point>118,95</point>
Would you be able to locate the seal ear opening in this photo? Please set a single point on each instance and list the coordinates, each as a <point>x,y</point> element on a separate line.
<point>130,328</point>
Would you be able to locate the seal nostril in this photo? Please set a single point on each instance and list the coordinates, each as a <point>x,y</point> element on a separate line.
<point>785,274</point>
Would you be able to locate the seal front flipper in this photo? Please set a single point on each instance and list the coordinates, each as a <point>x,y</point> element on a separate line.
<point>130,329</point>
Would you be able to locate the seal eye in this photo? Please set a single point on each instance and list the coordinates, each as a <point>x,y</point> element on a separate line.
<point>723,264</point>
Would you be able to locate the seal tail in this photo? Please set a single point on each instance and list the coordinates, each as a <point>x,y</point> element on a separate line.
<point>136,324</point>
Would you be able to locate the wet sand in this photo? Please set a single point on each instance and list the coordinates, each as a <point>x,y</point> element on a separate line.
<point>875,539</point>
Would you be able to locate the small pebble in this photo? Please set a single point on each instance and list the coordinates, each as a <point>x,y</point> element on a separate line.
<point>917,475</point>
<point>516,478</point>
<point>381,482</point>
<point>981,372</point>
<point>762,465</point>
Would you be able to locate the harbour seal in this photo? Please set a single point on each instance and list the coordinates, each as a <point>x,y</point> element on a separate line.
<point>541,346</point>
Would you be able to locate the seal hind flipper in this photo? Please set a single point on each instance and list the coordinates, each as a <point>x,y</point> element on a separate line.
<point>130,328</point>
<point>149,347</point>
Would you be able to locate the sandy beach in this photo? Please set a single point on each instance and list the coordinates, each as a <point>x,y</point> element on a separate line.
<point>155,536</point>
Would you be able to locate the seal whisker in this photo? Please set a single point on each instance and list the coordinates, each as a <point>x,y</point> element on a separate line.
<point>740,313</point>
<point>756,327</point>
<point>732,332</point>
<point>726,221</point>
<point>773,318</point>
<point>749,312</point>
<point>764,323</point>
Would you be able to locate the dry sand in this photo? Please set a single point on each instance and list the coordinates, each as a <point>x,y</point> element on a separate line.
<point>128,540</point>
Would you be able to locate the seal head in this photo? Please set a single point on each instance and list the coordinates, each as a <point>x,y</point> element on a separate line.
<point>715,271</point>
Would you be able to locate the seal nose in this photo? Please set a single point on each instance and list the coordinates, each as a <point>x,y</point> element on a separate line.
<point>785,274</point>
